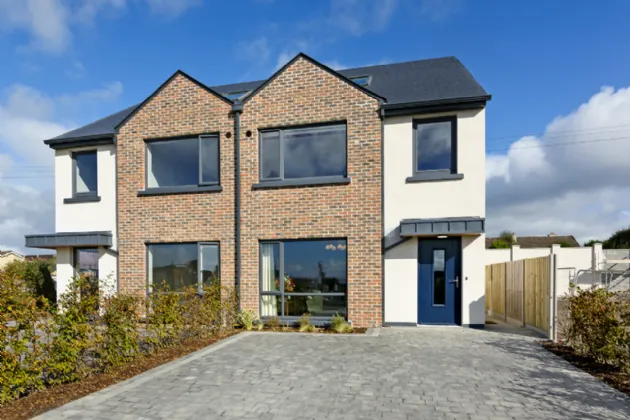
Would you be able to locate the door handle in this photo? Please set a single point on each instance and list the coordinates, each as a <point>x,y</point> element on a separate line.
<point>455,280</point>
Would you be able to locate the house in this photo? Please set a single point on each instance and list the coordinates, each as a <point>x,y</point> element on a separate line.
<point>8,256</point>
<point>359,192</point>
<point>540,241</point>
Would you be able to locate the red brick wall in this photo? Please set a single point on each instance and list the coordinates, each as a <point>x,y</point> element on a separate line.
<point>306,94</point>
<point>180,108</point>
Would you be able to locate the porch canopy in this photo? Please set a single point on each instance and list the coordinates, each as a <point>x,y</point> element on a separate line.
<point>69,239</point>
<point>452,226</point>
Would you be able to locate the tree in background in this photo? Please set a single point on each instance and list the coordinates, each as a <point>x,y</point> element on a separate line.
<point>592,242</point>
<point>618,240</point>
<point>36,275</point>
<point>505,240</point>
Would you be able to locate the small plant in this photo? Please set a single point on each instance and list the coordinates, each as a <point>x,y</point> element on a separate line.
<point>249,320</point>
<point>274,323</point>
<point>339,325</point>
<point>305,323</point>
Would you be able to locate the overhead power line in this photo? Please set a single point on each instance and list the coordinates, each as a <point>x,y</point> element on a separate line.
<point>555,133</point>
<point>567,143</point>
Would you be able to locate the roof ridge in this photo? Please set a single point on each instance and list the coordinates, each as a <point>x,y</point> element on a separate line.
<point>400,62</point>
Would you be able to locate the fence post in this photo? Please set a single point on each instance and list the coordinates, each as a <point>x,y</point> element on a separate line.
<point>491,287</point>
<point>505,293</point>
<point>553,334</point>
<point>524,302</point>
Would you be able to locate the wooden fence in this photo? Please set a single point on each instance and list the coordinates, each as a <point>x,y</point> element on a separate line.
<point>521,292</point>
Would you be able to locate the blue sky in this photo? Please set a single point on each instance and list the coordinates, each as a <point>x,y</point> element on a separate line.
<point>68,62</point>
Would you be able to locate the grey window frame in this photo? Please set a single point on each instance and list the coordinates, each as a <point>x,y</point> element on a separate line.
<point>75,258</point>
<point>435,174</point>
<point>261,293</point>
<point>89,194</point>
<point>199,245</point>
<point>317,128</point>
<point>200,182</point>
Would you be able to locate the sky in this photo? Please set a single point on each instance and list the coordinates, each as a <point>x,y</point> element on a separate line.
<point>558,124</point>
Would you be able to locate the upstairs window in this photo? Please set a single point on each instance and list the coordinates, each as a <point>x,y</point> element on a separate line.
<point>85,173</point>
<point>315,152</point>
<point>435,142</point>
<point>192,161</point>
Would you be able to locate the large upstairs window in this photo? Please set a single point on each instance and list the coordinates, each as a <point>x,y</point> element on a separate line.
<point>435,149</point>
<point>85,173</point>
<point>303,153</point>
<point>183,162</point>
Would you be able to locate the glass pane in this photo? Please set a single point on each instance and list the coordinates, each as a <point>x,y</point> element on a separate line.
<point>86,262</point>
<point>312,153</point>
<point>270,155</point>
<point>316,305</point>
<point>173,264</point>
<point>439,277</point>
<point>209,159</point>
<point>209,264</point>
<point>270,267</point>
<point>317,266</point>
<point>433,146</point>
<point>271,306</point>
<point>173,163</point>
<point>86,176</point>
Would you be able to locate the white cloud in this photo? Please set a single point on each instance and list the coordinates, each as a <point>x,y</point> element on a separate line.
<point>28,116</point>
<point>440,9</point>
<point>50,22</point>
<point>541,186</point>
<point>359,17</point>
<point>172,8</point>
<point>283,58</point>
<point>335,65</point>
<point>256,50</point>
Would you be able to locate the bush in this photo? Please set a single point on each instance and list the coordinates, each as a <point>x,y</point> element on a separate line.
<point>249,320</point>
<point>23,352</point>
<point>339,324</point>
<point>596,327</point>
<point>165,316</point>
<point>274,323</point>
<point>119,339</point>
<point>36,275</point>
<point>500,244</point>
<point>305,325</point>
<point>73,333</point>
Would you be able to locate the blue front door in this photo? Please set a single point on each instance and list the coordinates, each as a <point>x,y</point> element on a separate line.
<point>438,281</point>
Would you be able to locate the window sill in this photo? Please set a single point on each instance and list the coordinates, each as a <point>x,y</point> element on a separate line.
<point>434,177</point>
<point>333,180</point>
<point>82,199</point>
<point>180,190</point>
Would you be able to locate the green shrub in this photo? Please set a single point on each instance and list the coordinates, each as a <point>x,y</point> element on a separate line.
<point>249,320</point>
<point>596,327</point>
<point>339,324</point>
<point>23,349</point>
<point>165,316</point>
<point>36,275</point>
<point>305,325</point>
<point>500,244</point>
<point>73,333</point>
<point>274,323</point>
<point>119,337</point>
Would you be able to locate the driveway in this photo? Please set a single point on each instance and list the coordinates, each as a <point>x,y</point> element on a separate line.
<point>401,373</point>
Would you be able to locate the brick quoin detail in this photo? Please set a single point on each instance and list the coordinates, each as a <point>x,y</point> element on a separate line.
<point>180,108</point>
<point>302,94</point>
<point>306,94</point>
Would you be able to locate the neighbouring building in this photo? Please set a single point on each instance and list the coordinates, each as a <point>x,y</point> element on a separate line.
<point>358,192</point>
<point>546,241</point>
<point>8,256</point>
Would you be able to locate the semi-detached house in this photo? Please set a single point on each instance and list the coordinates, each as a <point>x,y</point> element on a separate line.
<point>359,192</point>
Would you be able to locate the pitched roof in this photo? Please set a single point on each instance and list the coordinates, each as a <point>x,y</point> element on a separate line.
<point>421,81</point>
<point>540,241</point>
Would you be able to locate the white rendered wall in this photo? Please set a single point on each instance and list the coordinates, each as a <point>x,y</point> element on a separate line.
<point>86,217</point>
<point>459,198</point>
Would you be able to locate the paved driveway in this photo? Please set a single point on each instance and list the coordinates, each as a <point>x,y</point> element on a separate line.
<point>411,373</point>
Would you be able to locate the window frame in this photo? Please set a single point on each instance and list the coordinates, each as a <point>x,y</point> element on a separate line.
<point>75,258</point>
<point>199,244</point>
<point>314,128</point>
<point>281,293</point>
<point>368,78</point>
<point>89,194</point>
<point>435,174</point>
<point>200,183</point>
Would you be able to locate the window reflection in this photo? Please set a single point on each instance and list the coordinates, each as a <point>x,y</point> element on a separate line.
<point>433,146</point>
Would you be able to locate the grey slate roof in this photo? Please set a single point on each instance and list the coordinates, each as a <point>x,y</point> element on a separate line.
<point>433,80</point>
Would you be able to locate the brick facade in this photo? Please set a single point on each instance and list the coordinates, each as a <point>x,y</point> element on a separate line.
<point>302,94</point>
<point>305,94</point>
<point>180,108</point>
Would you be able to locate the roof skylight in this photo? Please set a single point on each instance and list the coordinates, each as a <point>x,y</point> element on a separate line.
<point>362,80</point>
